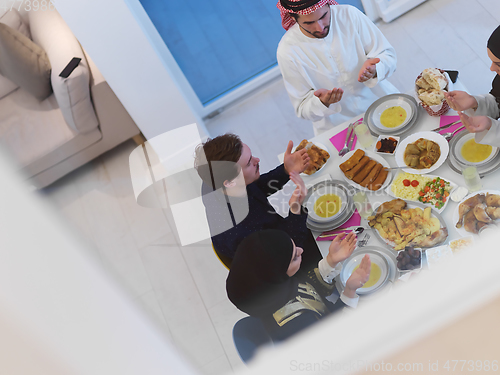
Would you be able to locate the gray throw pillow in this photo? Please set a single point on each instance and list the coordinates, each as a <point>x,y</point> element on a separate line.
<point>24,62</point>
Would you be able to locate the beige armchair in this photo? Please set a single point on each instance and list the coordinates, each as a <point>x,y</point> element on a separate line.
<point>81,119</point>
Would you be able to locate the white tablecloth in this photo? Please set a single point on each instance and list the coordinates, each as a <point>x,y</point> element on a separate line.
<point>425,122</point>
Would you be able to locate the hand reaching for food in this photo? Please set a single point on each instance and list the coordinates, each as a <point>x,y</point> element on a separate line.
<point>328,97</point>
<point>460,100</point>
<point>368,70</point>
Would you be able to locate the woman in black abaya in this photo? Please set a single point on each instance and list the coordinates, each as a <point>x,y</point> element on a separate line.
<point>265,281</point>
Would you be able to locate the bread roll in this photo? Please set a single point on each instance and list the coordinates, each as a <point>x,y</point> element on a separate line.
<point>422,83</point>
<point>435,78</point>
<point>432,97</point>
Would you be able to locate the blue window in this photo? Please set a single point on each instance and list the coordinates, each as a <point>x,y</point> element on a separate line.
<point>218,44</point>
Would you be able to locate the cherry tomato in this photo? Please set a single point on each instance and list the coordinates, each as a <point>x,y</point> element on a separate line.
<point>441,183</point>
<point>421,193</point>
<point>414,183</point>
<point>426,189</point>
<point>438,195</point>
<point>406,182</point>
<point>434,181</point>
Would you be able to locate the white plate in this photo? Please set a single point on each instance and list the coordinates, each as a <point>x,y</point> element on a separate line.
<point>327,189</point>
<point>438,254</point>
<point>323,147</point>
<point>436,137</point>
<point>354,260</point>
<point>412,204</point>
<point>373,156</point>
<point>390,257</point>
<point>453,185</point>
<point>462,231</point>
<point>388,104</point>
<point>458,151</point>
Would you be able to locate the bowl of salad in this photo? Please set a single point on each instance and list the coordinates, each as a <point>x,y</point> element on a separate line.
<point>436,192</point>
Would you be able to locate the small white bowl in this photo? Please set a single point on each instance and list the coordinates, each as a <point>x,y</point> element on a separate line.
<point>416,267</point>
<point>329,189</point>
<point>379,139</point>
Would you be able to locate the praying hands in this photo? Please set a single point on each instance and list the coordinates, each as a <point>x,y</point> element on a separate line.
<point>368,70</point>
<point>296,162</point>
<point>328,97</point>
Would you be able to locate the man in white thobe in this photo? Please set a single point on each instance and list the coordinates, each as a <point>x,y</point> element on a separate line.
<point>334,61</point>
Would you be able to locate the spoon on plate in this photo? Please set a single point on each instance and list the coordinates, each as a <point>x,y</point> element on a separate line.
<point>357,230</point>
<point>448,136</point>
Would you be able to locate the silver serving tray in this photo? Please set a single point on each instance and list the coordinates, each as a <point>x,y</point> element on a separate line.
<point>412,204</point>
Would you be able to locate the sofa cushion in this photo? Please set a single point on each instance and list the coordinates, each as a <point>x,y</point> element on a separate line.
<point>36,135</point>
<point>6,86</point>
<point>24,63</point>
<point>72,93</point>
<point>13,19</point>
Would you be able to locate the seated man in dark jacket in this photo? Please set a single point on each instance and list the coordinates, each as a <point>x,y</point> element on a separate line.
<point>235,194</point>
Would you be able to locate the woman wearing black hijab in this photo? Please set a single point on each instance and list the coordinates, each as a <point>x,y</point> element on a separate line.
<point>265,281</point>
<point>482,110</point>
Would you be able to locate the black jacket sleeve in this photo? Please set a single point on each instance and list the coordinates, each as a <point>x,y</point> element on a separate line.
<point>272,181</point>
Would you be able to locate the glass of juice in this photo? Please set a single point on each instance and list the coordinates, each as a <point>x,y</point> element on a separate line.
<point>362,204</point>
<point>365,138</point>
<point>471,178</point>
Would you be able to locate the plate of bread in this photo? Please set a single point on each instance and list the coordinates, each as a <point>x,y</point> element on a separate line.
<point>430,86</point>
<point>365,170</point>
<point>318,155</point>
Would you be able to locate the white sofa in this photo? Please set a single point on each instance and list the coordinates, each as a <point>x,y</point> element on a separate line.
<point>81,119</point>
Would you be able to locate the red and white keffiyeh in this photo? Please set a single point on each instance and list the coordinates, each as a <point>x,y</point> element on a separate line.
<point>300,7</point>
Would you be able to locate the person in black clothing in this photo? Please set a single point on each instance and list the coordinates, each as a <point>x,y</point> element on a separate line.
<point>235,194</point>
<point>267,282</point>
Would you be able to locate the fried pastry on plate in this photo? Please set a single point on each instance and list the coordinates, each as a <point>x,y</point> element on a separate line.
<point>317,156</point>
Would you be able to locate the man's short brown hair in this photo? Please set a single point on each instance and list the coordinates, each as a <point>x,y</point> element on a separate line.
<point>216,159</point>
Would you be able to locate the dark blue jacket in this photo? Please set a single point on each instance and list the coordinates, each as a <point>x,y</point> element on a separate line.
<point>229,226</point>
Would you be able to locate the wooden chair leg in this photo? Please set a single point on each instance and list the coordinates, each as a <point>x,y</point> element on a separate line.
<point>139,139</point>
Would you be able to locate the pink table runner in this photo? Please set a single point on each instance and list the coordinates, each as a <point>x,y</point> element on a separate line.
<point>355,220</point>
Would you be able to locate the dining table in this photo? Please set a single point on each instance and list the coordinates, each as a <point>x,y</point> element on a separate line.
<point>331,170</point>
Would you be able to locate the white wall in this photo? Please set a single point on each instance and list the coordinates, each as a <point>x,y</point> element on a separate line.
<point>138,68</point>
<point>60,311</point>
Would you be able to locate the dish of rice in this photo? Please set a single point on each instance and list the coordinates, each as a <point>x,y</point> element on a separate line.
<point>410,192</point>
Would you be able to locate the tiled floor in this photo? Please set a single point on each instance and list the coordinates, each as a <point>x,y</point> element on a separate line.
<point>183,288</point>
